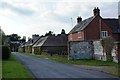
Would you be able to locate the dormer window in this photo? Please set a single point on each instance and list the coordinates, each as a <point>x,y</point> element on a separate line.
<point>79,34</point>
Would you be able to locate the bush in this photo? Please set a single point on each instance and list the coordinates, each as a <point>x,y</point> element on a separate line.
<point>5,52</point>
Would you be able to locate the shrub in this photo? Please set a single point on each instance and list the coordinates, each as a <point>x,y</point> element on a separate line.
<point>5,52</point>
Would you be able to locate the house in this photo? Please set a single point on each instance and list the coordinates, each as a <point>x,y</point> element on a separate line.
<point>36,49</point>
<point>91,29</point>
<point>51,45</point>
<point>28,45</point>
<point>22,47</point>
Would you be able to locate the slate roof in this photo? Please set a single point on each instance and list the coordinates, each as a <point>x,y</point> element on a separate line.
<point>40,41</point>
<point>82,25</point>
<point>114,24</point>
<point>52,41</point>
<point>56,41</point>
<point>32,41</point>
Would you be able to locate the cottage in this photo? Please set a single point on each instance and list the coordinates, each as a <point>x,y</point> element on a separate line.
<point>22,47</point>
<point>90,29</point>
<point>28,45</point>
<point>51,45</point>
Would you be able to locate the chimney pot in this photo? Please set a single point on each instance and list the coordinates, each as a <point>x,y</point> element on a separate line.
<point>79,19</point>
<point>96,11</point>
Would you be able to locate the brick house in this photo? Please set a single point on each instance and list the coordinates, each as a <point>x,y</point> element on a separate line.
<point>93,28</point>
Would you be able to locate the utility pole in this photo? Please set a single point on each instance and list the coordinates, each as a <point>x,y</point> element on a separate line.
<point>71,21</point>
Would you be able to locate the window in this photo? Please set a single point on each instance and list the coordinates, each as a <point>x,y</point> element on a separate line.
<point>70,36</point>
<point>104,34</point>
<point>79,35</point>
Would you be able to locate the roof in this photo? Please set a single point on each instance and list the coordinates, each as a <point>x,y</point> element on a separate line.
<point>114,24</point>
<point>32,41</point>
<point>82,25</point>
<point>52,41</point>
<point>40,41</point>
<point>56,41</point>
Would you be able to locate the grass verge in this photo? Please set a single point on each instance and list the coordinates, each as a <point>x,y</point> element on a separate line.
<point>77,62</point>
<point>103,66</point>
<point>13,69</point>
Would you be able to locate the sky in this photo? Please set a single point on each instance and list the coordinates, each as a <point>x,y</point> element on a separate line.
<point>27,17</point>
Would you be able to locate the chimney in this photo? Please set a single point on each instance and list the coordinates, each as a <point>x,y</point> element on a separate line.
<point>79,19</point>
<point>96,11</point>
<point>35,36</point>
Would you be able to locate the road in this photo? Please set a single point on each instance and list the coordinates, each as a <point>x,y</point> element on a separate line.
<point>45,68</point>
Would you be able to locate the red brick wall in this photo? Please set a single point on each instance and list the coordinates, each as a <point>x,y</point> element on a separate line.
<point>75,36</point>
<point>92,31</point>
<point>105,27</point>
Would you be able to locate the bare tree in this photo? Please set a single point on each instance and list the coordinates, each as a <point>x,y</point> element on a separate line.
<point>108,44</point>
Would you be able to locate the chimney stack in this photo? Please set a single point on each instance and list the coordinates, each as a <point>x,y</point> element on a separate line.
<point>96,11</point>
<point>79,19</point>
<point>35,36</point>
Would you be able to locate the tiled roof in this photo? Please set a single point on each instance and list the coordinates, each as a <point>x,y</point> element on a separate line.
<point>52,41</point>
<point>82,25</point>
<point>114,24</point>
<point>56,41</point>
<point>32,41</point>
<point>40,41</point>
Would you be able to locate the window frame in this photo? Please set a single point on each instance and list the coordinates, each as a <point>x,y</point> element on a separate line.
<point>104,34</point>
<point>70,36</point>
<point>79,34</point>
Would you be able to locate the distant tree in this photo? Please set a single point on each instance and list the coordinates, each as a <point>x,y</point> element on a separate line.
<point>63,31</point>
<point>50,33</point>
<point>14,41</point>
<point>14,37</point>
<point>29,38</point>
<point>23,39</point>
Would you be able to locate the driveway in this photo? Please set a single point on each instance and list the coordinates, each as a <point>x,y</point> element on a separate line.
<point>45,68</point>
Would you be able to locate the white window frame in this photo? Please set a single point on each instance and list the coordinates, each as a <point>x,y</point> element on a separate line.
<point>79,34</point>
<point>104,34</point>
<point>70,36</point>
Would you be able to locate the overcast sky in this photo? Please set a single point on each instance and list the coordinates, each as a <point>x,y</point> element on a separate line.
<point>27,17</point>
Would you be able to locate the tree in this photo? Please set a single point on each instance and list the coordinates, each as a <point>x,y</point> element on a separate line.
<point>23,39</point>
<point>63,31</point>
<point>4,37</point>
<point>14,41</point>
<point>29,38</point>
<point>50,33</point>
<point>14,37</point>
<point>108,44</point>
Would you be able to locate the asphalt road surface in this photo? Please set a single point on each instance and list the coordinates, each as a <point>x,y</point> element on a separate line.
<point>45,68</point>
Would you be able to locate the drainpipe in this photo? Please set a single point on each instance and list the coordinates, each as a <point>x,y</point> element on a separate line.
<point>100,22</point>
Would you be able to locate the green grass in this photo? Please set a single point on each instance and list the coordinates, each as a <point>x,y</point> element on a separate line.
<point>0,68</point>
<point>78,62</point>
<point>13,69</point>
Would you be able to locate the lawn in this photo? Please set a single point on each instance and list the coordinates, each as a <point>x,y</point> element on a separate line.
<point>13,69</point>
<point>78,62</point>
<point>0,68</point>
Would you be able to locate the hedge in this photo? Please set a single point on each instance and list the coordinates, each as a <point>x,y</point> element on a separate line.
<point>5,52</point>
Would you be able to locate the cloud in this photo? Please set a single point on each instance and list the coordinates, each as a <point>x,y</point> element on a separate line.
<point>27,17</point>
<point>19,10</point>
